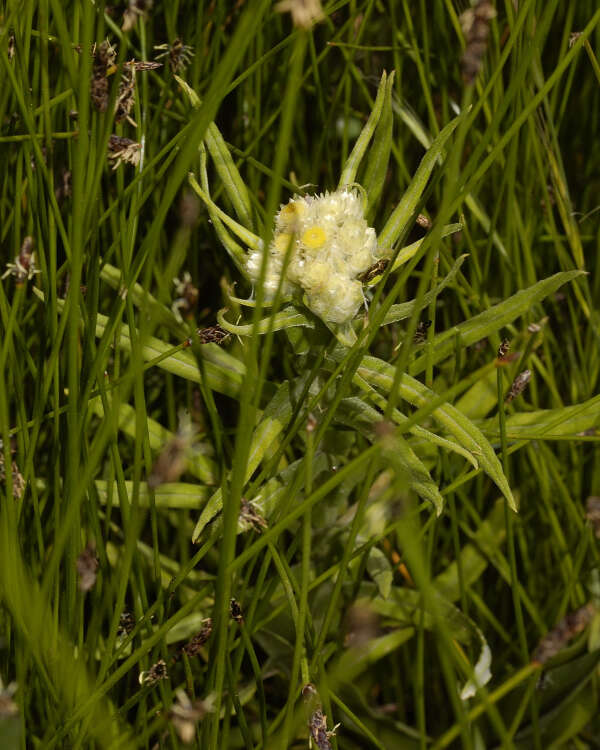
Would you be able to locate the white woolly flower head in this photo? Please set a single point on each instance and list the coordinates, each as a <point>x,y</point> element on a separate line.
<point>330,245</point>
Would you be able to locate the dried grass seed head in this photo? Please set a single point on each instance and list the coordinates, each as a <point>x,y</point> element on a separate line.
<point>179,54</point>
<point>24,267</point>
<point>123,150</point>
<point>305,13</point>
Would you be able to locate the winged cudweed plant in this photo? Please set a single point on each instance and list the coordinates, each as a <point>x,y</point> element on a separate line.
<point>323,261</point>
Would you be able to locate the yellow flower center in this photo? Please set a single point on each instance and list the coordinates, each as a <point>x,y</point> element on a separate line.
<point>314,238</point>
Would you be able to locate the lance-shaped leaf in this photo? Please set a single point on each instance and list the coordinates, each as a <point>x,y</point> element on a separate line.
<point>168,495</point>
<point>381,375</point>
<point>247,237</point>
<point>198,465</point>
<point>362,142</point>
<point>224,373</point>
<point>357,414</point>
<point>379,153</point>
<point>548,423</point>
<point>411,250</point>
<point>286,318</point>
<point>405,309</point>
<point>236,252</point>
<point>492,320</point>
<point>403,212</point>
<point>274,420</point>
<point>232,181</point>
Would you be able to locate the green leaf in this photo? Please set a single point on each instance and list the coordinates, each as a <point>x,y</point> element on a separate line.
<point>234,185</point>
<point>403,212</point>
<point>168,495</point>
<point>248,238</point>
<point>548,423</point>
<point>274,420</point>
<point>381,374</point>
<point>410,251</point>
<point>355,413</point>
<point>232,181</point>
<point>198,465</point>
<point>380,570</point>
<point>405,309</point>
<point>286,318</point>
<point>492,320</point>
<point>224,373</point>
<point>352,164</point>
<point>236,252</point>
<point>379,153</point>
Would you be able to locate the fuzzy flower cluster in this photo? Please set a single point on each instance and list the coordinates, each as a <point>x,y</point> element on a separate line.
<point>330,245</point>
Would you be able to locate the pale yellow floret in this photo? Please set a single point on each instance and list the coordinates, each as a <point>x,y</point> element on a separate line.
<point>330,245</point>
<point>314,238</point>
<point>291,214</point>
<point>281,242</point>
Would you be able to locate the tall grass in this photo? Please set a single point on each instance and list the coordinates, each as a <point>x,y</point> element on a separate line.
<point>243,536</point>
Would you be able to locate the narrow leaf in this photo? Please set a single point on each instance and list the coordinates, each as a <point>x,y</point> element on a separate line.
<point>403,212</point>
<point>379,153</point>
<point>286,318</point>
<point>275,418</point>
<point>381,374</point>
<point>405,309</point>
<point>411,250</point>
<point>362,142</point>
<point>224,164</point>
<point>492,320</point>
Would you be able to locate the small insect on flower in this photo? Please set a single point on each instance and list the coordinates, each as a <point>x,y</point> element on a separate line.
<point>375,270</point>
<point>421,332</point>
<point>250,518</point>
<point>518,386</point>
<point>122,150</point>
<point>156,673</point>
<point>235,611</point>
<point>24,267</point>
<point>179,54</point>
<point>503,348</point>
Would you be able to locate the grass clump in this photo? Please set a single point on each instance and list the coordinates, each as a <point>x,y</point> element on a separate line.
<point>298,375</point>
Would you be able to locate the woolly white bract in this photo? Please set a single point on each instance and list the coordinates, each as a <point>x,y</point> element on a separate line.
<point>330,246</point>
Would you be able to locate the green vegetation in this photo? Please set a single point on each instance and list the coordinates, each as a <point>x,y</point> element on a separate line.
<point>234,512</point>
